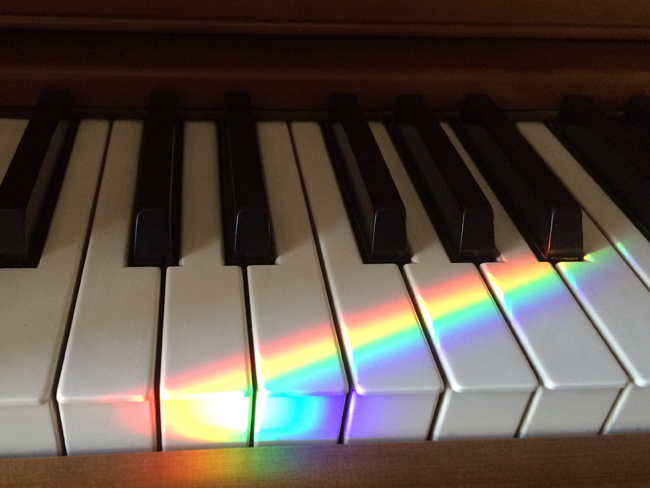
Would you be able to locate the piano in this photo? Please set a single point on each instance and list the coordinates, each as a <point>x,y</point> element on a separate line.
<point>290,57</point>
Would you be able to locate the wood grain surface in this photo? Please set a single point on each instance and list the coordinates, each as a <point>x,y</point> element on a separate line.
<point>621,19</point>
<point>291,73</point>
<point>598,461</point>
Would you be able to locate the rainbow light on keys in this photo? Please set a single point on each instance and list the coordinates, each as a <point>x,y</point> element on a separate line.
<point>528,286</point>
<point>384,336</point>
<point>203,406</point>
<point>594,267</point>
<point>294,398</point>
<point>223,418</point>
<point>454,308</point>
<point>383,331</point>
<point>453,311</point>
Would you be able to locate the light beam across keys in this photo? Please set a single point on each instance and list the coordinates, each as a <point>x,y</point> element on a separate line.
<point>620,231</point>
<point>579,377</point>
<point>301,382</point>
<point>205,379</point>
<point>610,292</point>
<point>106,390</point>
<point>395,382</point>
<point>489,381</point>
<point>35,302</point>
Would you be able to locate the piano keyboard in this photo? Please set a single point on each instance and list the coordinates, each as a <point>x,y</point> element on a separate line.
<point>100,356</point>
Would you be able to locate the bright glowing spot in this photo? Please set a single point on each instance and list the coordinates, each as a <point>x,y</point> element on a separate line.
<point>287,417</point>
<point>214,418</point>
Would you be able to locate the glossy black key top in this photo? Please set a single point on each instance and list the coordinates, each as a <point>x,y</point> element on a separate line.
<point>373,204</point>
<point>614,162</point>
<point>31,185</point>
<point>546,214</point>
<point>156,220</point>
<point>583,112</point>
<point>247,230</point>
<point>454,201</point>
<point>636,120</point>
<point>637,112</point>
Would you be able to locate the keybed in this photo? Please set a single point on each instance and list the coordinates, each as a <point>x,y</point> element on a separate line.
<point>319,346</point>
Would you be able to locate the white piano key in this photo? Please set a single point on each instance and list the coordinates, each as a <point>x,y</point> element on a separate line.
<point>106,390</point>
<point>609,291</point>
<point>35,304</point>
<point>489,381</point>
<point>618,229</point>
<point>301,383</point>
<point>395,382</point>
<point>205,378</point>
<point>580,379</point>
<point>11,131</point>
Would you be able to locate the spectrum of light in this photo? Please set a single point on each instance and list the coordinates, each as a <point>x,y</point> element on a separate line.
<point>453,311</point>
<point>526,284</point>
<point>219,418</point>
<point>386,329</point>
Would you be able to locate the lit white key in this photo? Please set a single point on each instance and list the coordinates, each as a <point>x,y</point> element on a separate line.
<point>394,377</point>
<point>609,291</point>
<point>35,304</point>
<point>205,373</point>
<point>489,381</point>
<point>580,379</point>
<point>300,377</point>
<point>618,229</point>
<point>106,390</point>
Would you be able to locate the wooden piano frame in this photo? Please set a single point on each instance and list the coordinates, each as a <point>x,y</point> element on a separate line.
<point>290,56</point>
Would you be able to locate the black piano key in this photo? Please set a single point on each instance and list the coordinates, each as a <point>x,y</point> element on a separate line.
<point>610,164</point>
<point>156,220</point>
<point>373,204</point>
<point>636,120</point>
<point>546,214</point>
<point>32,183</point>
<point>583,112</point>
<point>455,203</point>
<point>247,229</point>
